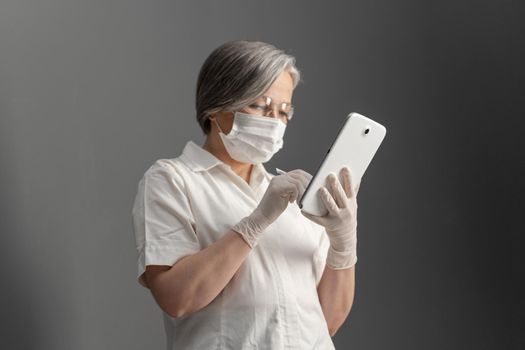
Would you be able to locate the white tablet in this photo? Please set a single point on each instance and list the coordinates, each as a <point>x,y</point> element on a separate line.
<point>355,146</point>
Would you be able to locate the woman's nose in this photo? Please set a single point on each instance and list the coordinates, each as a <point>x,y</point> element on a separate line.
<point>272,112</point>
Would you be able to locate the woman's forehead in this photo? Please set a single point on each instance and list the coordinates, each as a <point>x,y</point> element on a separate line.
<point>282,88</point>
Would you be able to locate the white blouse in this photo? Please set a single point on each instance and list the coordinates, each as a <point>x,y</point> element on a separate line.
<point>185,204</point>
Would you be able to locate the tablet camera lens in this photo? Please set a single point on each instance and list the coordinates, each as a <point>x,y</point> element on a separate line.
<point>367,130</point>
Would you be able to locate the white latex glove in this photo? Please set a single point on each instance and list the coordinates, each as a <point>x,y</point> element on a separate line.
<point>283,189</point>
<point>340,222</point>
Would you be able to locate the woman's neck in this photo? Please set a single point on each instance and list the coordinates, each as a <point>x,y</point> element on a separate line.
<point>215,146</point>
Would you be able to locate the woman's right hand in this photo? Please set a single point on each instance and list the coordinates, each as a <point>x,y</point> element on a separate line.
<point>283,189</point>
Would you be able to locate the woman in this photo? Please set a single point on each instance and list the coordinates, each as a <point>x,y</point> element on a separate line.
<point>224,249</point>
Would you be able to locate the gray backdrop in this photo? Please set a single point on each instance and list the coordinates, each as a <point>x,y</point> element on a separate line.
<point>93,92</point>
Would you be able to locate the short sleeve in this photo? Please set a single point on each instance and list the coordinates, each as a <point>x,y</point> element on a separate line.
<point>320,253</point>
<point>163,222</point>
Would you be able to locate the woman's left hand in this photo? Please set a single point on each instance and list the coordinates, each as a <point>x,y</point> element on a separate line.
<point>340,222</point>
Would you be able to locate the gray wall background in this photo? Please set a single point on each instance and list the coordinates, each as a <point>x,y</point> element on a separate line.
<point>93,92</point>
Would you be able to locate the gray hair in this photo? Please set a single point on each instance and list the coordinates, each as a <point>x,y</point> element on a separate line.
<point>236,73</point>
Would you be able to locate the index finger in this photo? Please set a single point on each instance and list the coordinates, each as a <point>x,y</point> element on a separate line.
<point>301,172</point>
<point>347,182</point>
<point>301,175</point>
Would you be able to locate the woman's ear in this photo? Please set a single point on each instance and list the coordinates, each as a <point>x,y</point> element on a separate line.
<point>213,121</point>
<point>223,121</point>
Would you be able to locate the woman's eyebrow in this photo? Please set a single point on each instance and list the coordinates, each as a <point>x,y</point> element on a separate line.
<point>287,102</point>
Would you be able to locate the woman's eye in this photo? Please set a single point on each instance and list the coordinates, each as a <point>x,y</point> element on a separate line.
<point>256,106</point>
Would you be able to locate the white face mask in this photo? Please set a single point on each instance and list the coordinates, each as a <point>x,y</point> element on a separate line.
<point>253,139</point>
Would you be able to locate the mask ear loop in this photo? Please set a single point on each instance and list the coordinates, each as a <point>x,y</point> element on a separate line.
<point>214,120</point>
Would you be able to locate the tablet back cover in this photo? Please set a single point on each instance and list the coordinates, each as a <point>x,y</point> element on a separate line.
<point>353,147</point>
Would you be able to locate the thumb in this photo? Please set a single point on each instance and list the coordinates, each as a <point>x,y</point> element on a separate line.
<point>317,219</point>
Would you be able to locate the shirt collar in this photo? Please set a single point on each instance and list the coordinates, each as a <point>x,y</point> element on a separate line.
<point>198,159</point>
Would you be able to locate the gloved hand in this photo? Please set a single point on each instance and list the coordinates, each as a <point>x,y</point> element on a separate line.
<point>340,222</point>
<point>283,189</point>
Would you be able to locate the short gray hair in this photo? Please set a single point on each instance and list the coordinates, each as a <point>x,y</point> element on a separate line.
<point>236,73</point>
